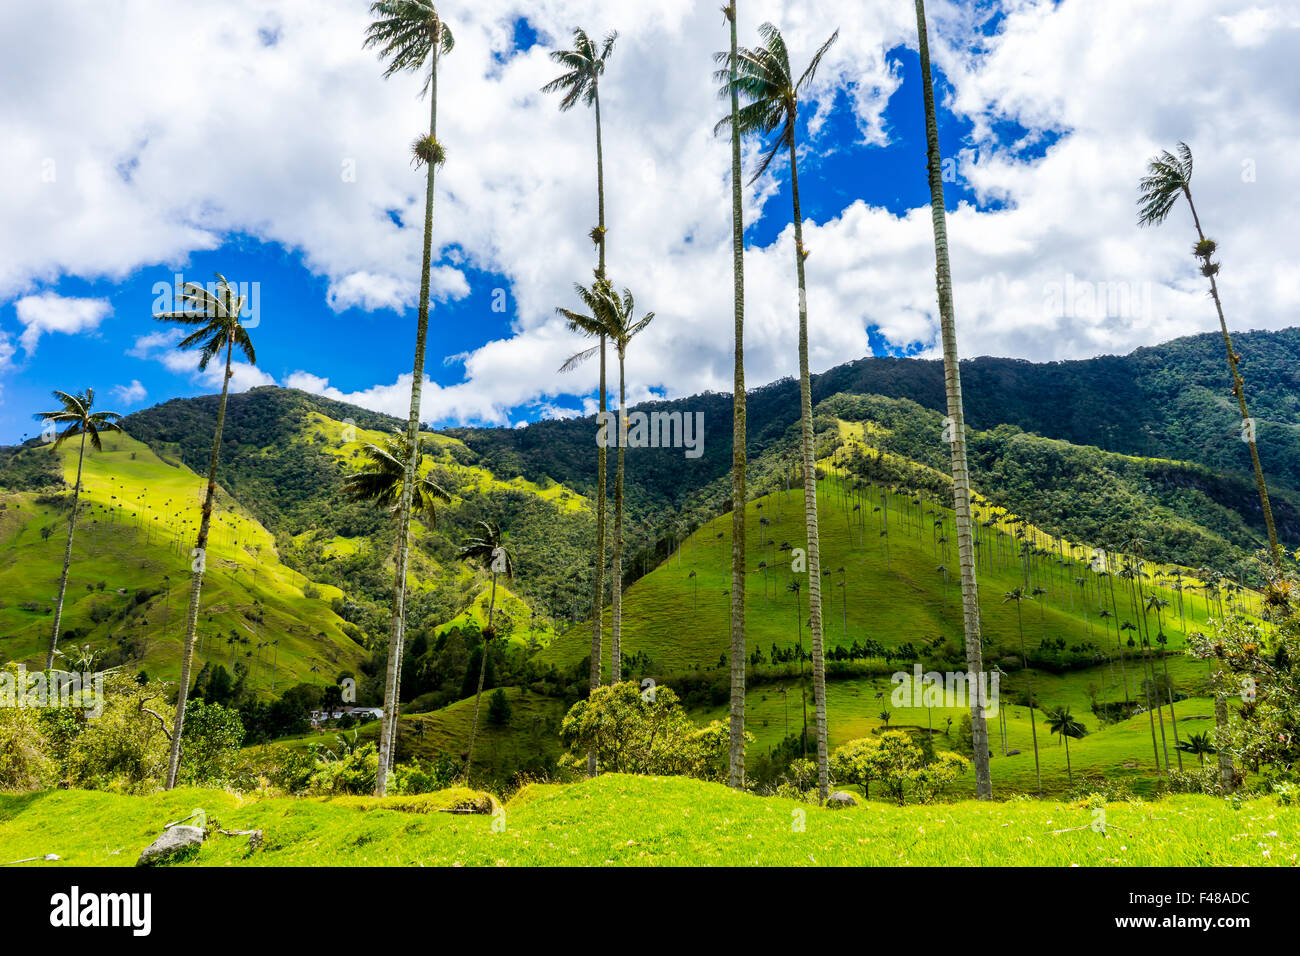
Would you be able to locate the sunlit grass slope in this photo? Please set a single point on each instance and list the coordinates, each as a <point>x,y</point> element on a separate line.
<point>647,821</point>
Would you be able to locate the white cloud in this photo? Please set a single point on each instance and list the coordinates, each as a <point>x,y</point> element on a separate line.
<point>131,394</point>
<point>49,312</point>
<point>323,167</point>
<point>161,347</point>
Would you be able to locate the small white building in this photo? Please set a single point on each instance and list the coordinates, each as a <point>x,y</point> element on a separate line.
<point>360,714</point>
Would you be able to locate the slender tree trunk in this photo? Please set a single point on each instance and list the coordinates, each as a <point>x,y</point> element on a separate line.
<point>957,422</point>
<point>397,627</point>
<point>198,566</point>
<point>1239,390</point>
<point>599,599</point>
<point>67,554</point>
<point>810,495</point>
<point>736,754</point>
<point>1221,740</point>
<point>1029,684</point>
<point>616,585</point>
<point>482,672</point>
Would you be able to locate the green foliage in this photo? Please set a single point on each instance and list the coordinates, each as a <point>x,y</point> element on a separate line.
<point>632,734</point>
<point>499,712</point>
<point>210,744</point>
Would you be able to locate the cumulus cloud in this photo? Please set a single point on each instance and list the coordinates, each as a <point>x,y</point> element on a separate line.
<point>1050,266</point>
<point>131,394</point>
<point>49,312</point>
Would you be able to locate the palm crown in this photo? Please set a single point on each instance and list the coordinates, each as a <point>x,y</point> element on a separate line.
<point>215,319</point>
<point>765,81</point>
<point>407,33</point>
<point>1167,177</point>
<point>380,478</point>
<point>611,316</point>
<point>486,547</point>
<point>585,64</point>
<point>75,413</point>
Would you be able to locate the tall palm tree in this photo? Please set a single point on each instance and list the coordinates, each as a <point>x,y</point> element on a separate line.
<point>1018,595</point>
<point>584,66</point>
<point>736,754</point>
<point>956,421</point>
<point>409,34</point>
<point>214,317</point>
<point>78,420</point>
<point>1062,723</point>
<point>1169,177</point>
<point>762,75</point>
<point>383,472</point>
<point>380,480</point>
<point>488,548</point>
<point>611,318</point>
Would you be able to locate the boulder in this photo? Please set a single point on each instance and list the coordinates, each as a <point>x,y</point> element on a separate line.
<point>177,839</point>
<point>840,799</point>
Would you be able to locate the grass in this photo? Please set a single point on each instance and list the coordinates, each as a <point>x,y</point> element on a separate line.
<point>648,821</point>
<point>139,518</point>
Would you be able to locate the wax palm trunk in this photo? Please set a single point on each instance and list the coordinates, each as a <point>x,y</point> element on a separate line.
<point>397,627</point>
<point>598,600</point>
<point>736,755</point>
<point>956,416</point>
<point>67,557</point>
<point>1239,391</point>
<point>616,584</point>
<point>196,580</point>
<point>482,673</point>
<point>810,497</point>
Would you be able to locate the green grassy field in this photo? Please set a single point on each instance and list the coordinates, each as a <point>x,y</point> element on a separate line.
<point>139,518</point>
<point>648,821</point>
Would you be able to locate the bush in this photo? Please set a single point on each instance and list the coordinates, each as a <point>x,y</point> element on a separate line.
<point>210,744</point>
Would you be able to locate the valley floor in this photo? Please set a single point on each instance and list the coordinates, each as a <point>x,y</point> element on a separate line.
<point>647,821</point>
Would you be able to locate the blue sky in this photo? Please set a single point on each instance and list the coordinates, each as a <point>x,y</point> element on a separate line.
<point>336,264</point>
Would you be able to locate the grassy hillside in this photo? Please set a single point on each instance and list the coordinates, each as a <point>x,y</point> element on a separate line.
<point>648,821</point>
<point>128,586</point>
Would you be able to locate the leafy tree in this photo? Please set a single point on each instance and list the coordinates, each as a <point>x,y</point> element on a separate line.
<point>851,764</point>
<point>77,420</point>
<point>215,319</point>
<point>213,736</point>
<point>499,710</point>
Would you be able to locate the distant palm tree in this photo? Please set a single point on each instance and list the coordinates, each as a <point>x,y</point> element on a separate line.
<point>736,753</point>
<point>762,76</point>
<point>1063,724</point>
<point>215,318</point>
<point>380,480</point>
<point>613,318</point>
<point>409,34</point>
<point>956,421</point>
<point>1169,177</point>
<point>1018,595</point>
<point>488,548</point>
<point>1198,744</point>
<point>382,474</point>
<point>77,419</point>
<point>585,65</point>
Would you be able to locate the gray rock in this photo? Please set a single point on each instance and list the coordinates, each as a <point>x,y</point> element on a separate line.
<point>840,799</point>
<point>178,839</point>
